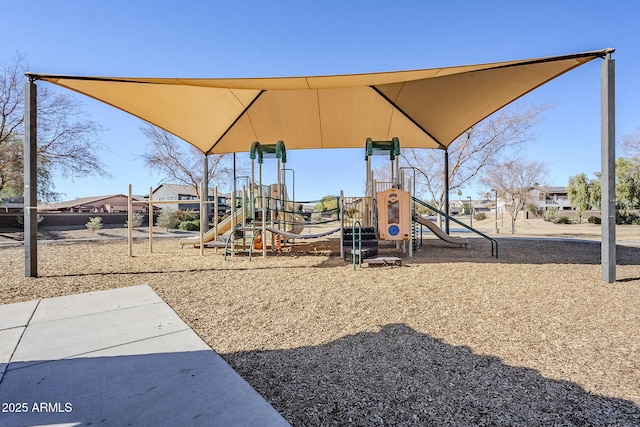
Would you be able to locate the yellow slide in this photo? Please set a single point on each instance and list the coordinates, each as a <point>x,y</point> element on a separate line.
<point>439,233</point>
<point>223,227</point>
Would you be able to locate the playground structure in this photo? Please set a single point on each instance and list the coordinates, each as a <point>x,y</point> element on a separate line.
<point>263,218</point>
<point>473,93</point>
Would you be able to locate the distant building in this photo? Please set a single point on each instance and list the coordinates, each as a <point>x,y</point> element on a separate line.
<point>547,198</point>
<point>483,205</point>
<point>183,194</point>
<point>95,204</point>
<point>457,206</point>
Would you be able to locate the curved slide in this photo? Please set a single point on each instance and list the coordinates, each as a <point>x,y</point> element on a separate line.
<point>439,233</point>
<point>223,227</point>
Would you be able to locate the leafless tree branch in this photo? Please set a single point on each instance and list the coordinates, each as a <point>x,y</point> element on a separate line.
<point>182,163</point>
<point>67,138</point>
<point>499,137</point>
<point>513,181</point>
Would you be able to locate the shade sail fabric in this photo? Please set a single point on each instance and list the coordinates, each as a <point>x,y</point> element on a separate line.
<point>426,108</point>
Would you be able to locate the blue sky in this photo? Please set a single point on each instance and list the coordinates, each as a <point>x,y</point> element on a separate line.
<point>287,38</point>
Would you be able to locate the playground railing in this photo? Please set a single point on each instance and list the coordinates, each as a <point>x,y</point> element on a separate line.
<point>357,209</point>
<point>315,212</point>
<point>383,186</point>
<point>494,243</point>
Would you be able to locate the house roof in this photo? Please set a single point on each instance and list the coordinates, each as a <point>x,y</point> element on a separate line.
<point>427,108</point>
<point>556,190</point>
<point>549,189</point>
<point>81,201</point>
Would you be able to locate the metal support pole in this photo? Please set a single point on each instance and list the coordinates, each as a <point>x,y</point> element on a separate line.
<point>368,185</point>
<point>341,207</point>
<point>372,197</point>
<point>263,198</point>
<point>293,184</point>
<point>280,190</point>
<point>374,193</point>
<point>205,194</point>
<point>130,220</point>
<point>30,180</point>
<point>203,213</point>
<point>150,216</point>
<point>394,172</point>
<point>215,217</point>
<point>496,191</point>
<point>234,214</point>
<point>446,190</point>
<point>252,197</point>
<point>608,126</point>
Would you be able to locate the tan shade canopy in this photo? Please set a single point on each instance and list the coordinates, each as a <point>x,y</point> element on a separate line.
<point>426,108</point>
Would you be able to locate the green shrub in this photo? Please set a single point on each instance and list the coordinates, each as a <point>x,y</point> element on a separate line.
<point>187,216</point>
<point>632,218</point>
<point>594,220</point>
<point>168,219</point>
<point>20,219</point>
<point>95,223</point>
<point>627,218</point>
<point>551,215</point>
<point>562,220</point>
<point>533,209</point>
<point>136,220</point>
<point>480,216</point>
<point>193,225</point>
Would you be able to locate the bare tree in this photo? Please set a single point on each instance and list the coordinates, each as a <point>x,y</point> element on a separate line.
<point>180,162</point>
<point>10,161</point>
<point>67,138</point>
<point>11,120</point>
<point>486,144</point>
<point>630,143</point>
<point>513,182</point>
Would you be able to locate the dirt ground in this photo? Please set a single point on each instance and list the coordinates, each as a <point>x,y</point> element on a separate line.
<point>451,337</point>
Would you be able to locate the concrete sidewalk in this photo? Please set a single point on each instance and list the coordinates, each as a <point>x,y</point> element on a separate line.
<point>116,358</point>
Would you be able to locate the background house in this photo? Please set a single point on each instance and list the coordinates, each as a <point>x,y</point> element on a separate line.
<point>483,206</point>
<point>550,197</point>
<point>461,206</point>
<point>75,213</point>
<point>183,194</point>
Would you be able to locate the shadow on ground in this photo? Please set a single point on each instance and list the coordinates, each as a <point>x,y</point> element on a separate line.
<point>511,250</point>
<point>402,377</point>
<point>523,251</point>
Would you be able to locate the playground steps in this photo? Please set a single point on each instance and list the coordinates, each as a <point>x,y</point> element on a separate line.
<point>369,243</point>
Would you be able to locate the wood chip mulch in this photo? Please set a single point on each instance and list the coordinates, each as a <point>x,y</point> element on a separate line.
<point>451,337</point>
